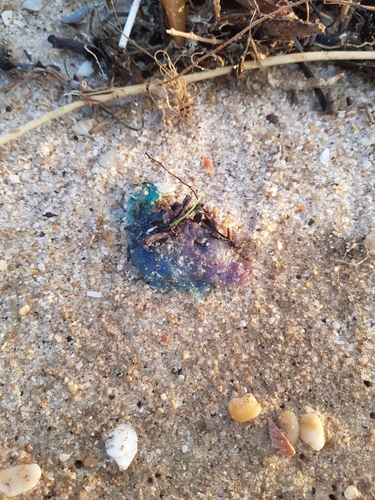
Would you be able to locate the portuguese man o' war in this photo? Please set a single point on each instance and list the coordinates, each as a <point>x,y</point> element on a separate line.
<point>180,248</point>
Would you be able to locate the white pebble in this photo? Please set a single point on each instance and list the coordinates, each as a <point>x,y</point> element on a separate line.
<point>86,69</point>
<point>166,187</point>
<point>340,342</point>
<point>64,457</point>
<point>109,159</point>
<point>325,157</point>
<point>41,267</point>
<point>92,293</point>
<point>14,179</point>
<point>367,141</point>
<point>336,325</point>
<point>184,448</point>
<point>7,17</point>
<point>370,242</point>
<point>351,493</point>
<point>122,445</point>
<point>19,479</point>
<point>3,265</point>
<point>34,5</point>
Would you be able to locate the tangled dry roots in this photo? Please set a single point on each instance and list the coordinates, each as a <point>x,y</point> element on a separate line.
<point>174,98</point>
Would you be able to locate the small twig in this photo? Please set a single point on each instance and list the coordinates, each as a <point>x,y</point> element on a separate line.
<point>192,36</point>
<point>351,4</point>
<point>101,72</point>
<point>174,223</point>
<point>116,93</point>
<point>170,173</point>
<point>156,237</point>
<point>368,113</point>
<point>116,16</point>
<point>129,23</point>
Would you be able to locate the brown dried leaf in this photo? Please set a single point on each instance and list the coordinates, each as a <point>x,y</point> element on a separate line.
<point>287,29</point>
<point>279,441</point>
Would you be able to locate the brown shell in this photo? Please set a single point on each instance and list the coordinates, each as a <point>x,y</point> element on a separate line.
<point>279,441</point>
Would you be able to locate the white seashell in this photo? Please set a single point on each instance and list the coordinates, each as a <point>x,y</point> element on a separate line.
<point>289,426</point>
<point>279,441</point>
<point>83,126</point>
<point>122,445</point>
<point>244,409</point>
<point>7,17</point>
<point>86,69</point>
<point>16,480</point>
<point>34,5</point>
<point>311,431</point>
<point>351,493</point>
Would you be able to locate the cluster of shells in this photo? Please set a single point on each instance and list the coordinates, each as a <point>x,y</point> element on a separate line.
<point>309,428</point>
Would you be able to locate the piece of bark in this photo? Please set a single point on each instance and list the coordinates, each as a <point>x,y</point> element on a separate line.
<point>287,29</point>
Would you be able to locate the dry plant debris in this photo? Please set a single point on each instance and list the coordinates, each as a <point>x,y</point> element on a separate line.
<point>244,32</point>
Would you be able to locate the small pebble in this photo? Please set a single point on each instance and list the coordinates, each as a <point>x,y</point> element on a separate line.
<point>7,17</point>
<point>33,5</point>
<point>184,448</point>
<point>370,242</point>
<point>14,179</point>
<point>166,187</point>
<point>109,160</point>
<point>289,426</point>
<point>92,293</point>
<point>336,325</point>
<point>311,431</point>
<point>90,462</point>
<point>351,493</point>
<point>325,157</point>
<point>86,69</point>
<point>19,479</point>
<point>24,311</point>
<point>3,265</point>
<point>244,409</point>
<point>208,165</point>
<point>77,17</point>
<point>272,119</point>
<point>122,445</point>
<point>41,267</point>
<point>64,457</point>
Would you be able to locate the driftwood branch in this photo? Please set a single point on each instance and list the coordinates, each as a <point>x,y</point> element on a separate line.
<point>110,95</point>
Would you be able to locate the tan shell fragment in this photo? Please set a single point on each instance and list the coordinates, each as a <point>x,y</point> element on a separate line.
<point>288,423</point>
<point>244,409</point>
<point>311,431</point>
<point>279,441</point>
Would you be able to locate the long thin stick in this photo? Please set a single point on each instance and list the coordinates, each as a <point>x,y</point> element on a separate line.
<point>112,94</point>
<point>193,36</point>
<point>172,174</point>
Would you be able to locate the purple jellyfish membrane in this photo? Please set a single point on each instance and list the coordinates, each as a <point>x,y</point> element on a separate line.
<point>179,249</point>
